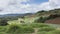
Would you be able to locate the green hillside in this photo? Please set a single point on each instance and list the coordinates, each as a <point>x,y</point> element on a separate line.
<point>31,24</point>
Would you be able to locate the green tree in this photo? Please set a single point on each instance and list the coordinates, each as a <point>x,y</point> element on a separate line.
<point>3,22</point>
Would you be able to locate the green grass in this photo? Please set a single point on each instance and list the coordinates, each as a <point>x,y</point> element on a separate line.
<point>54,32</point>
<point>27,28</point>
<point>47,29</point>
<point>38,25</point>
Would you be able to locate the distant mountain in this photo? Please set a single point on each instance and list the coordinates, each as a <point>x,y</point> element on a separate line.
<point>14,15</point>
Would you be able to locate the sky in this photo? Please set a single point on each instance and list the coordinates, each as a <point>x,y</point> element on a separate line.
<point>27,6</point>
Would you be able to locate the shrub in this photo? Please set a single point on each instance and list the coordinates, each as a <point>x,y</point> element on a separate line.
<point>19,29</point>
<point>3,28</point>
<point>12,28</point>
<point>27,30</point>
<point>52,16</point>
<point>41,20</point>
<point>3,22</point>
<point>41,11</point>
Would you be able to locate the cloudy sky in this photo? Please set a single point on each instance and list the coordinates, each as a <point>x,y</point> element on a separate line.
<point>27,6</point>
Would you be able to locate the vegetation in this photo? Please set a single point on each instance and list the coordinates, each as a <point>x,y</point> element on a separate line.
<point>20,29</point>
<point>28,29</point>
<point>32,24</point>
<point>41,19</point>
<point>3,22</point>
<point>47,29</point>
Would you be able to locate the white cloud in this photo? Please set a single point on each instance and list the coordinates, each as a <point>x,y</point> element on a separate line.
<point>51,4</point>
<point>54,3</point>
<point>15,6</point>
<point>3,3</point>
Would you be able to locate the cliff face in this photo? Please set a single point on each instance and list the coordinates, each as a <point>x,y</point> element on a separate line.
<point>53,21</point>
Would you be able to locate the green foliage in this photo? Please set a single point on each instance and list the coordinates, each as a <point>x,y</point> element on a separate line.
<point>41,11</point>
<point>41,33</point>
<point>12,28</point>
<point>47,29</point>
<point>3,22</point>
<point>50,32</point>
<point>3,28</point>
<point>19,29</point>
<point>54,32</point>
<point>38,25</point>
<point>53,16</point>
<point>41,20</point>
<point>28,30</point>
<point>3,33</point>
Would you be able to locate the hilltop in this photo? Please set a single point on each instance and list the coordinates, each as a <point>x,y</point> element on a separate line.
<point>49,16</point>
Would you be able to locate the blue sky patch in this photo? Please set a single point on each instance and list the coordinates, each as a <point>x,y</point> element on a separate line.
<point>35,2</point>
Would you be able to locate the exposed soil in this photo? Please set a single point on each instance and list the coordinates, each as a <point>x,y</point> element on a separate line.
<point>53,21</point>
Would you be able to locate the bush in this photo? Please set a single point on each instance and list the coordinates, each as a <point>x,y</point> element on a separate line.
<point>41,20</point>
<point>27,30</point>
<point>40,11</point>
<point>3,28</point>
<point>12,28</point>
<point>52,16</point>
<point>19,29</point>
<point>3,22</point>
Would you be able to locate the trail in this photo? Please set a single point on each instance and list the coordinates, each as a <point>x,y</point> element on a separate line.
<point>36,30</point>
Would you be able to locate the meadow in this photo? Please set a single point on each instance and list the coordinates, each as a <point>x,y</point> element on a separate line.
<point>29,28</point>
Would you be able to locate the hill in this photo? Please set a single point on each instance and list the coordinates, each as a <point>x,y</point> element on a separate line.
<point>36,27</point>
<point>44,12</point>
<point>51,16</point>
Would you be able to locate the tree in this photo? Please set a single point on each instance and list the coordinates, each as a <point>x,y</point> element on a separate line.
<point>52,16</point>
<point>3,22</point>
<point>41,11</point>
<point>40,20</point>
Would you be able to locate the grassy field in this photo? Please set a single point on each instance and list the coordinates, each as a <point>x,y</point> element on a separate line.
<point>32,28</point>
<point>29,27</point>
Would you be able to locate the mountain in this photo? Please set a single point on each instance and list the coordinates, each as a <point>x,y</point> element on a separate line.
<point>14,15</point>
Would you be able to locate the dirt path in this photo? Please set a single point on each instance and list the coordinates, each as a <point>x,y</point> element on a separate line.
<point>36,30</point>
<point>58,28</point>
